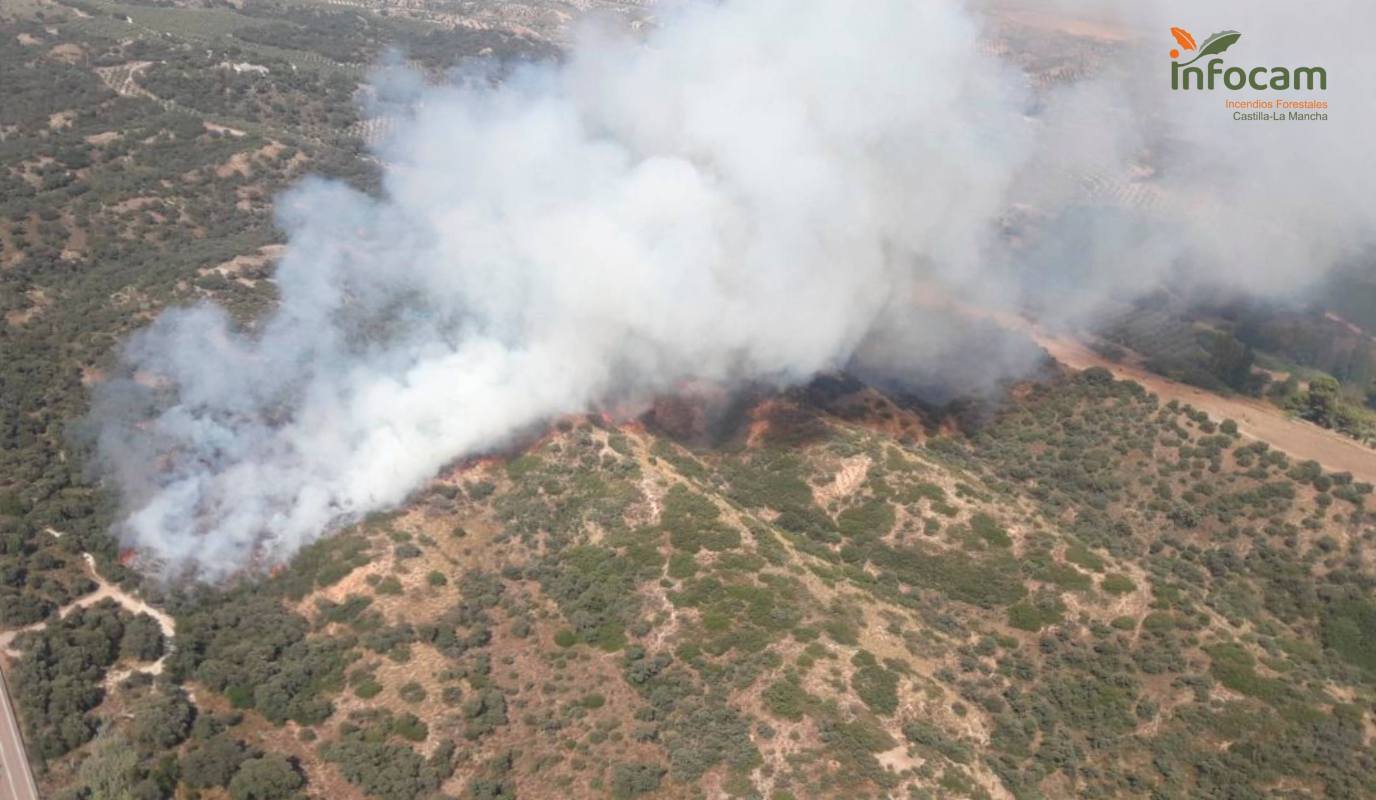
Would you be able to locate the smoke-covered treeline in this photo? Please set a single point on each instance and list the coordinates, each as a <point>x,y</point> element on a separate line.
<point>748,194</point>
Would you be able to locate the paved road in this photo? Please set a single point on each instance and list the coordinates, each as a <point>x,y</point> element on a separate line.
<point>16,780</point>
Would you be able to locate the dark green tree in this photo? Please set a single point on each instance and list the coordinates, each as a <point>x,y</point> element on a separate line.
<point>269,777</point>
<point>213,763</point>
<point>1322,401</point>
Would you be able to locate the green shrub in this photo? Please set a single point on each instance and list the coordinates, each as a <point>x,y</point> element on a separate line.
<point>928,735</point>
<point>1030,616</point>
<point>383,770</point>
<point>989,529</point>
<point>786,699</point>
<point>694,522</point>
<point>1115,583</point>
<point>1234,667</point>
<point>1064,576</point>
<point>1349,629</point>
<point>634,779</point>
<point>870,520</point>
<point>410,727</point>
<point>213,763</point>
<point>593,700</point>
<point>876,686</point>
<point>268,777</point>
<point>986,580</point>
<point>1077,553</point>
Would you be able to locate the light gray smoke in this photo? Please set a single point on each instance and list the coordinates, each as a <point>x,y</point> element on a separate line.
<point>739,197</point>
<point>1251,206</point>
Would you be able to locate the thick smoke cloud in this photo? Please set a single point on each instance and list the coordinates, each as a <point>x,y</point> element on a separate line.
<point>747,195</point>
<point>1258,207</point>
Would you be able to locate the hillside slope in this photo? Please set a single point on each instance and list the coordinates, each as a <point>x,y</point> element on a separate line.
<point>1087,593</point>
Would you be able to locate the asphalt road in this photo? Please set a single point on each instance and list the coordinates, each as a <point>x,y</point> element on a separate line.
<point>16,780</point>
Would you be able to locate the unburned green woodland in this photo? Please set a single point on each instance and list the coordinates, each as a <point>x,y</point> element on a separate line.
<point>1314,363</point>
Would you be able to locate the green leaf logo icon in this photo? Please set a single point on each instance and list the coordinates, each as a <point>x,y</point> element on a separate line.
<point>1215,44</point>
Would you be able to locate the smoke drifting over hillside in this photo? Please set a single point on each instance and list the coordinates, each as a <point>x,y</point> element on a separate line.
<point>747,196</point>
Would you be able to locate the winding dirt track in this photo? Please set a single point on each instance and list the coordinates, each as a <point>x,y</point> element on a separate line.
<point>1255,418</point>
<point>16,779</point>
<point>104,591</point>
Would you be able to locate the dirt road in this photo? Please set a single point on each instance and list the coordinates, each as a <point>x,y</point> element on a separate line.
<point>1255,419</point>
<point>16,779</point>
<point>104,591</point>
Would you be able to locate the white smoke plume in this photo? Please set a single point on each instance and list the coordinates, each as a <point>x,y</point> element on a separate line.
<point>1262,207</point>
<point>738,197</point>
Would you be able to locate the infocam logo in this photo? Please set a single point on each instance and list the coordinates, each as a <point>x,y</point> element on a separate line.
<point>1185,77</point>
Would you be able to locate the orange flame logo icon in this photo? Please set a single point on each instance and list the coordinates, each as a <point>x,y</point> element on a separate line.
<point>1184,38</point>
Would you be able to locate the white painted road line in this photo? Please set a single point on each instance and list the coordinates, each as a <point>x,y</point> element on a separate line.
<point>18,776</point>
